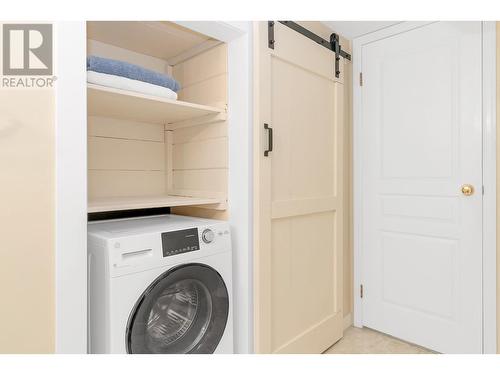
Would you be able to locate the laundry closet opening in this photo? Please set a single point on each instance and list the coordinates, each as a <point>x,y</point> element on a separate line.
<point>157,144</point>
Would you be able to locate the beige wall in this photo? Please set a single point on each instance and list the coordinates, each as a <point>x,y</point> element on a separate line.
<point>27,271</point>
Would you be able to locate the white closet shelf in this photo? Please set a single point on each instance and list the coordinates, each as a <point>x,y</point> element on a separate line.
<point>131,203</point>
<point>133,106</point>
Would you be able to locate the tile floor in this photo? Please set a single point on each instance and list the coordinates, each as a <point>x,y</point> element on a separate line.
<point>367,341</point>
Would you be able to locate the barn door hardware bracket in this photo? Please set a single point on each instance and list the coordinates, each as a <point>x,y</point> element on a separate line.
<point>333,44</point>
<point>270,34</point>
<point>337,48</point>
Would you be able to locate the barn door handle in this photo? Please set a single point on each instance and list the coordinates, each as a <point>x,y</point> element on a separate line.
<point>270,139</point>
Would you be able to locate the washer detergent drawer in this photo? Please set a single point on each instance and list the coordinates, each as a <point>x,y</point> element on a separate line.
<point>134,253</point>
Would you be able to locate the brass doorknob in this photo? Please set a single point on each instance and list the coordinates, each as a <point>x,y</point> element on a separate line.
<point>467,190</point>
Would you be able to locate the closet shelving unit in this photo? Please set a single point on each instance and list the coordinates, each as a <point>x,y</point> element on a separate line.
<point>112,103</point>
<point>129,105</point>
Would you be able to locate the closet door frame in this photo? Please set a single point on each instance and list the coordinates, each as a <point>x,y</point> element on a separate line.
<point>71,174</point>
<point>70,48</point>
<point>489,81</point>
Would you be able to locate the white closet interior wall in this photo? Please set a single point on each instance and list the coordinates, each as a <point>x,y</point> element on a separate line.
<point>125,158</point>
<point>200,153</point>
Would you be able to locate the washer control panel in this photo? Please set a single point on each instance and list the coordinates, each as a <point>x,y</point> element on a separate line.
<point>193,239</point>
<point>180,241</point>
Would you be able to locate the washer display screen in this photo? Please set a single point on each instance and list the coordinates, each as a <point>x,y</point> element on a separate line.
<point>180,241</point>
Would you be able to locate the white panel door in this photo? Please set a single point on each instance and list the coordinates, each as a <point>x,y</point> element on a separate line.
<point>421,236</point>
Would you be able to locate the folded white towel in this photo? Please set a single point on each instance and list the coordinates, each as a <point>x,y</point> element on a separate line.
<point>124,83</point>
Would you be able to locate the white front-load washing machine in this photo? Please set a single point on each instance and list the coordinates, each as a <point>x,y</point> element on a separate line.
<point>159,285</point>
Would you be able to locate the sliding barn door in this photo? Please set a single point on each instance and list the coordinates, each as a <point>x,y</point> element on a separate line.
<point>298,195</point>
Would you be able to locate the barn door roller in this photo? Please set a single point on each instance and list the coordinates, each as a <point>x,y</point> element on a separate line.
<point>333,44</point>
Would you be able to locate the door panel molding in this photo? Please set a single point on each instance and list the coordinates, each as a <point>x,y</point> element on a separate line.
<point>308,206</point>
<point>489,173</point>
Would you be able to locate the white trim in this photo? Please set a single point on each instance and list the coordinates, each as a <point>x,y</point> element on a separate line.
<point>490,189</point>
<point>241,186</point>
<point>357,183</point>
<point>71,188</point>
<point>489,174</point>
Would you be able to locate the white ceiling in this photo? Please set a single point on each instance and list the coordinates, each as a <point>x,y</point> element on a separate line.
<point>354,29</point>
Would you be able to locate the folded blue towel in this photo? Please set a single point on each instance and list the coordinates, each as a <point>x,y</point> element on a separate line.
<point>124,69</point>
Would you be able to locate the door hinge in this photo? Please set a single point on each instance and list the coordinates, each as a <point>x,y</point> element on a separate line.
<point>361,290</point>
<point>482,189</point>
<point>361,79</point>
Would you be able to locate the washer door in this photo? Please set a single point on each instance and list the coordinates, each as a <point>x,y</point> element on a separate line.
<point>184,310</point>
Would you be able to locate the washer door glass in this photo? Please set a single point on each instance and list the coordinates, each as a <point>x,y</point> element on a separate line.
<point>184,310</point>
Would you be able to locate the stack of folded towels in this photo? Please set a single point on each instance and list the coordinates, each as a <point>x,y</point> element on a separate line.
<point>126,76</point>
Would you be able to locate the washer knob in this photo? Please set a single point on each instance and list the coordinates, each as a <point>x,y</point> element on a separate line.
<point>208,236</point>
